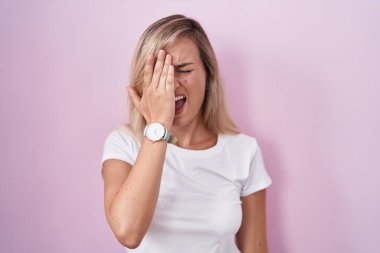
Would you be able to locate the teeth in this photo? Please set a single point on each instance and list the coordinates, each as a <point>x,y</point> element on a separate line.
<point>179,98</point>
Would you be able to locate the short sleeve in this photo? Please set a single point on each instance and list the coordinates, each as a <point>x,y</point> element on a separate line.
<point>119,145</point>
<point>258,177</point>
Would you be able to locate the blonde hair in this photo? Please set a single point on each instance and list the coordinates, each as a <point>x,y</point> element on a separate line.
<point>163,34</point>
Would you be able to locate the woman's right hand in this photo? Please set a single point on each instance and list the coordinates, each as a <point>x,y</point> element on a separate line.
<point>157,103</point>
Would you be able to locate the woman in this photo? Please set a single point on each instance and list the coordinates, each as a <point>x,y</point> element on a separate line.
<point>180,177</point>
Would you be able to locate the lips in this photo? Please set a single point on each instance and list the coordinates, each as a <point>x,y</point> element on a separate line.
<point>179,104</point>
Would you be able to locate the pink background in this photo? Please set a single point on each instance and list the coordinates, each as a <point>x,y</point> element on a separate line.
<point>303,78</point>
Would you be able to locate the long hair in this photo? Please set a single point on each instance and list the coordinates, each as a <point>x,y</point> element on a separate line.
<point>163,34</point>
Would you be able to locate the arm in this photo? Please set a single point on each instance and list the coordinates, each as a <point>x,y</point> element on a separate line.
<point>131,193</point>
<point>251,236</point>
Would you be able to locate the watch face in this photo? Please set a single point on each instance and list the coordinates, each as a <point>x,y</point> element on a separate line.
<point>155,131</point>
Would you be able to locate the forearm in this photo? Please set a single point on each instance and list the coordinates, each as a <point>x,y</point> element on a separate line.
<point>133,207</point>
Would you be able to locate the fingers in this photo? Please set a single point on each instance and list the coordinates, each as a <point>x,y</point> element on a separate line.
<point>134,96</point>
<point>170,79</point>
<point>162,76</point>
<point>164,73</point>
<point>158,68</point>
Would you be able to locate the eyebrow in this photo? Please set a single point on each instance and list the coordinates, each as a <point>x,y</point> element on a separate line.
<point>183,64</point>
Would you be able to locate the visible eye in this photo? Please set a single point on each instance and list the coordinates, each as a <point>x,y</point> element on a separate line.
<point>184,71</point>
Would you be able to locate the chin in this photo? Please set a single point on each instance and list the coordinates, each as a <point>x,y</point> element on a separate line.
<point>180,121</point>
<point>177,122</point>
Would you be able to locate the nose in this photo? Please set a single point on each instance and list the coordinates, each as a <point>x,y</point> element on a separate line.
<point>177,82</point>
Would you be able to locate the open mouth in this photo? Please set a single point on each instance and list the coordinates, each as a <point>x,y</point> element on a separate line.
<point>179,103</point>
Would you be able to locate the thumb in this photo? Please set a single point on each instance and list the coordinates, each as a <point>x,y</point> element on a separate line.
<point>134,96</point>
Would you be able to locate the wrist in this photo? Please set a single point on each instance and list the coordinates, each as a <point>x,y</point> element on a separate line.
<point>156,131</point>
<point>168,125</point>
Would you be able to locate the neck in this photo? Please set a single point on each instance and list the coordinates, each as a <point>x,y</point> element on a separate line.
<point>192,136</point>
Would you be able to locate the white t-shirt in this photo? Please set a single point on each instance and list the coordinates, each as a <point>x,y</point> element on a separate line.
<point>199,206</point>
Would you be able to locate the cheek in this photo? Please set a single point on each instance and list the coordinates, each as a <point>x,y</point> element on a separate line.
<point>198,90</point>
<point>197,82</point>
<point>195,85</point>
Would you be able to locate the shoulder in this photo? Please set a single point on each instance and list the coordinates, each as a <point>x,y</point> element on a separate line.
<point>121,144</point>
<point>241,141</point>
<point>122,133</point>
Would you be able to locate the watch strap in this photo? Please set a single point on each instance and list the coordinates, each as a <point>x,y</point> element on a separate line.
<point>167,135</point>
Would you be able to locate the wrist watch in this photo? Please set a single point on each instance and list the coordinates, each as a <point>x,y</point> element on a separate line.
<point>156,131</point>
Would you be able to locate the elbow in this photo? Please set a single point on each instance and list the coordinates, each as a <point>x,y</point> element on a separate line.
<point>129,243</point>
<point>131,240</point>
<point>129,233</point>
